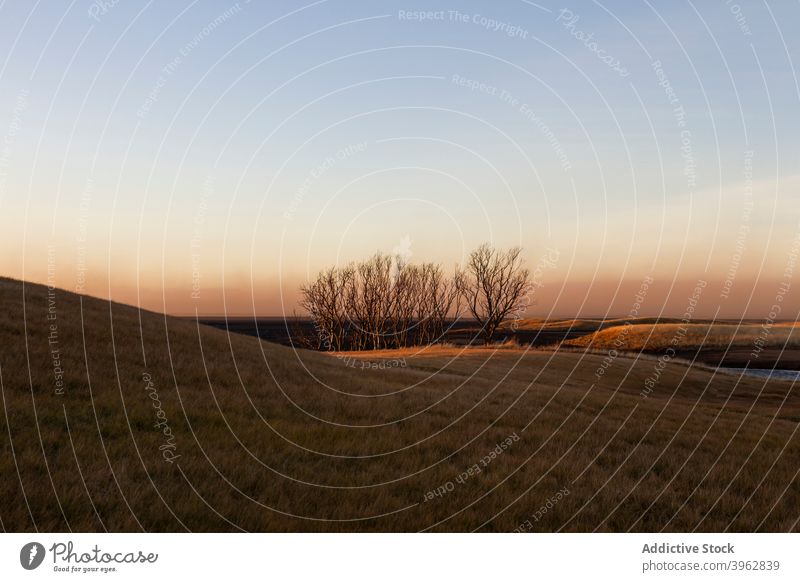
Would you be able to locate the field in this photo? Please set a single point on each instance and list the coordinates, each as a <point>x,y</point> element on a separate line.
<point>138,421</point>
<point>743,344</point>
<point>294,331</point>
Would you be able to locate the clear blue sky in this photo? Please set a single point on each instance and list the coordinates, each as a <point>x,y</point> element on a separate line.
<point>242,146</point>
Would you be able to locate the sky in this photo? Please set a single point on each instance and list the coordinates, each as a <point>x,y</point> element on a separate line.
<point>210,157</point>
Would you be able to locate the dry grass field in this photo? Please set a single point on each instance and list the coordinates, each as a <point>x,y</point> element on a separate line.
<point>657,336</point>
<point>584,324</point>
<point>261,437</point>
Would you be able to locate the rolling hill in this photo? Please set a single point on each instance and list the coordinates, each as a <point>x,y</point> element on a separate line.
<point>659,336</point>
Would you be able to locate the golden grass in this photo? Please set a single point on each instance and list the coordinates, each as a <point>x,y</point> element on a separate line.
<point>654,337</point>
<point>586,324</point>
<point>554,324</point>
<point>272,439</point>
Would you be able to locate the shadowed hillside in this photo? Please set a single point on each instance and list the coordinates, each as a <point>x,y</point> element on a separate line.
<point>122,420</point>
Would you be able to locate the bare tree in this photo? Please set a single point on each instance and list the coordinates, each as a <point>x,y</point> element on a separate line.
<point>324,299</point>
<point>493,285</point>
<point>368,301</point>
<point>438,296</point>
<point>425,301</point>
<point>405,298</point>
<point>445,301</point>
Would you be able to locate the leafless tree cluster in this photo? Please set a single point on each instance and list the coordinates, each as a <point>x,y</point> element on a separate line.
<point>384,302</point>
<point>380,303</point>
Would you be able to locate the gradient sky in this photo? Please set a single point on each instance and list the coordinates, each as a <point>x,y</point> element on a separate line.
<point>240,147</point>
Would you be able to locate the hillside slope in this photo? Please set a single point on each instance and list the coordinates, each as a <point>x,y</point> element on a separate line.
<point>655,337</point>
<point>122,420</point>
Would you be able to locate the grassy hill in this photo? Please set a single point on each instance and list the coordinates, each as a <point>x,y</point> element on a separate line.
<point>585,324</point>
<point>659,336</point>
<point>139,421</point>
